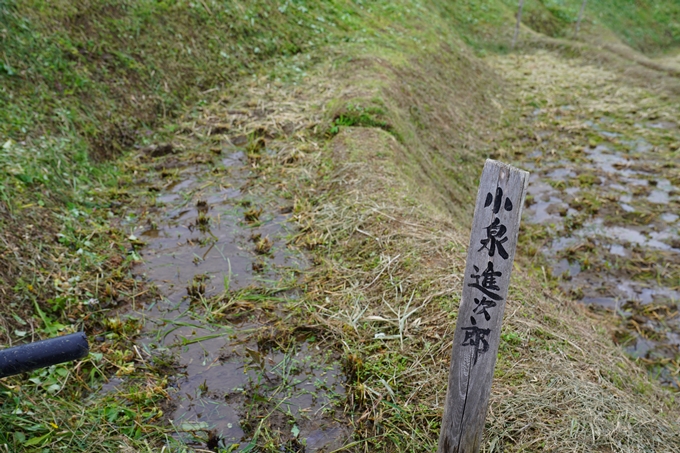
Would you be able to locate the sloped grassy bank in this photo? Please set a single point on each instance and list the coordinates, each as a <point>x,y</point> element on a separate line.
<point>385,174</point>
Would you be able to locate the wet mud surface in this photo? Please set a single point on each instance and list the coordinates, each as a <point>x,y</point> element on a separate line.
<point>219,255</point>
<point>603,203</point>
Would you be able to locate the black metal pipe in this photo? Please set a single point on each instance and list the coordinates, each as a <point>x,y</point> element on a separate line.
<point>41,354</point>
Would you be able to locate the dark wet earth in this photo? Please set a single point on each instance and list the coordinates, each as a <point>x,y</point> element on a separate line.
<point>613,237</point>
<point>219,254</point>
<point>602,215</point>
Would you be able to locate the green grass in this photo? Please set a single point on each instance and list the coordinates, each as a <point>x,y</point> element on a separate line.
<point>50,410</point>
<point>109,70</point>
<point>646,25</point>
<point>649,25</point>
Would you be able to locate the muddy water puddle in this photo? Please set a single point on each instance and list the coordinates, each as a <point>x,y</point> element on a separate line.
<point>219,256</point>
<point>610,210</point>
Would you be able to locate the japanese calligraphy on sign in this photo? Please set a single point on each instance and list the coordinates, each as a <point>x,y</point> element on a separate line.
<point>485,281</point>
<point>490,258</point>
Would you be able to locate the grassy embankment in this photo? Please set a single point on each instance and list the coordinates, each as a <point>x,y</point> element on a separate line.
<point>79,88</point>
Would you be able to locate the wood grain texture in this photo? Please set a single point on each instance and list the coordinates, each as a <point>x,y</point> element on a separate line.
<point>493,241</point>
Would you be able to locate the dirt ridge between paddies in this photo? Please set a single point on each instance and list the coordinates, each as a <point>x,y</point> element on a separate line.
<point>390,261</point>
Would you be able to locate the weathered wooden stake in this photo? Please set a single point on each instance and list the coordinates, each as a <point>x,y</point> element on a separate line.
<point>519,20</point>
<point>580,16</point>
<point>485,287</point>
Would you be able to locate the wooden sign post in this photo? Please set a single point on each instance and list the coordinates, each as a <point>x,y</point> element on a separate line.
<point>485,288</point>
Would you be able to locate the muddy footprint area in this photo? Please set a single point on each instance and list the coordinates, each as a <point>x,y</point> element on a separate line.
<point>602,215</point>
<point>219,250</point>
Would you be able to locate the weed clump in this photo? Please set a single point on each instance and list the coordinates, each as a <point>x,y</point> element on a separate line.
<point>202,206</point>
<point>197,287</point>
<point>252,215</point>
<point>263,246</point>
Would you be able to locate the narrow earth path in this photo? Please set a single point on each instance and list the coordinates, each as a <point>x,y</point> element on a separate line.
<point>603,210</point>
